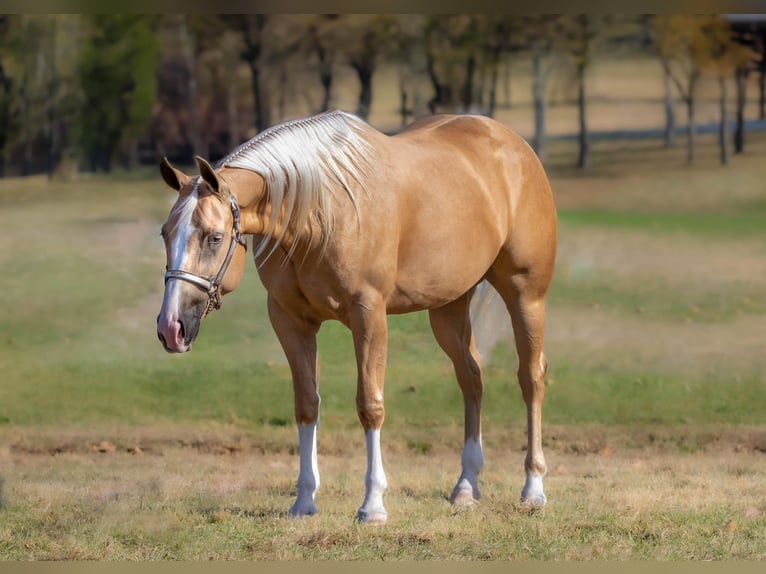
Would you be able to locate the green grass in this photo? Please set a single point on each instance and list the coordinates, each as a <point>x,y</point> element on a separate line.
<point>656,300</point>
<point>705,226</point>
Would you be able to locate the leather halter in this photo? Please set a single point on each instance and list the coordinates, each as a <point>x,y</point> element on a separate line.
<point>211,285</point>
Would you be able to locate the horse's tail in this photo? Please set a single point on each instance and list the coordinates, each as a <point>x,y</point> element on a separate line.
<point>489,319</point>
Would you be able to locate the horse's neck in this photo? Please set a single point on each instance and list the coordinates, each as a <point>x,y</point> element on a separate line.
<point>248,188</point>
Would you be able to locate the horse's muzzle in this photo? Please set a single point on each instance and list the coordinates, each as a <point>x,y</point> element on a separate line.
<point>173,336</point>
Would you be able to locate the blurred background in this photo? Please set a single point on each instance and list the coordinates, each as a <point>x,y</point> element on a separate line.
<point>93,92</point>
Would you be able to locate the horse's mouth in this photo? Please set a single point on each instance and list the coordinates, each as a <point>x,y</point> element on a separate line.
<point>183,348</point>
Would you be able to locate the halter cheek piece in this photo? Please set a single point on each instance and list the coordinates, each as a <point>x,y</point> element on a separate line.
<point>212,285</point>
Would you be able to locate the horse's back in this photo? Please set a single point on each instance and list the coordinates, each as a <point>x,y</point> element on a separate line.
<point>476,156</point>
<point>466,188</point>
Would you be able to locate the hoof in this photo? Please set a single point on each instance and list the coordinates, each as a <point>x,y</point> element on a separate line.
<point>463,498</point>
<point>299,510</point>
<point>534,501</point>
<point>377,517</point>
<point>533,495</point>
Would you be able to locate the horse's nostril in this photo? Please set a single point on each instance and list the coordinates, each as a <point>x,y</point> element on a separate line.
<point>183,329</point>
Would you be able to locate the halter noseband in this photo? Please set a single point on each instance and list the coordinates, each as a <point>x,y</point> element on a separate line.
<point>211,285</point>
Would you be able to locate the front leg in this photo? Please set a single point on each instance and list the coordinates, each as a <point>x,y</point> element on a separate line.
<point>298,339</point>
<point>370,331</point>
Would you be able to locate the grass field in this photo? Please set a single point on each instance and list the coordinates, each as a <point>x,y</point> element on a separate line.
<point>654,421</point>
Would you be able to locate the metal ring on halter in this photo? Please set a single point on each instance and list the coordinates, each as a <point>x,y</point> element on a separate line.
<point>211,285</point>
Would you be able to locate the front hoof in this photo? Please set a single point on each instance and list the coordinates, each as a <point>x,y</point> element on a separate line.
<point>537,500</point>
<point>463,498</point>
<point>532,494</point>
<point>299,510</point>
<point>376,517</point>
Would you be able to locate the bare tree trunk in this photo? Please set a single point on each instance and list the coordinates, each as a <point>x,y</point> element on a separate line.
<point>254,25</point>
<point>584,157</point>
<point>189,54</point>
<point>494,73</point>
<point>723,132</point>
<point>538,94</point>
<point>54,142</point>
<point>670,112</point>
<point>442,93</point>
<point>404,110</point>
<point>690,129</point>
<point>739,132</point>
<point>25,129</point>
<point>325,76</point>
<point>762,87</point>
<point>282,100</point>
<point>325,58</point>
<point>364,73</point>
<point>470,72</point>
<point>507,81</point>
<point>229,47</point>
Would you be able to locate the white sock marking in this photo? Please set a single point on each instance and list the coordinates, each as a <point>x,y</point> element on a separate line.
<point>375,482</point>
<point>533,490</point>
<point>308,476</point>
<point>471,461</point>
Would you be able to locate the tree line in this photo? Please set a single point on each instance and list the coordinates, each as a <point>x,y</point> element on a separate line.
<point>91,91</point>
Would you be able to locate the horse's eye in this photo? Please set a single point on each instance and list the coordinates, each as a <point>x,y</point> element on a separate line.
<point>216,238</point>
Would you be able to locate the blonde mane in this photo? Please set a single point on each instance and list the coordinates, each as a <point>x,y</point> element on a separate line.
<point>301,162</point>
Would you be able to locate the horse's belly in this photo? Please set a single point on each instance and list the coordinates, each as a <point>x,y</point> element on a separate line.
<point>438,278</point>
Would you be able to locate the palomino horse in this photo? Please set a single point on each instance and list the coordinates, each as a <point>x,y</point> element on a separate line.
<point>351,224</point>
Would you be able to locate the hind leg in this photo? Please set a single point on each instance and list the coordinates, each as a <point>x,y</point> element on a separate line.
<point>451,326</point>
<point>526,305</point>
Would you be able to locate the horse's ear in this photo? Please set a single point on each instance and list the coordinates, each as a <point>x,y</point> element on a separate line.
<point>175,178</point>
<point>208,174</point>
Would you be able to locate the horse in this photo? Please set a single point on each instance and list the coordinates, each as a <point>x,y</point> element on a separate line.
<point>350,224</point>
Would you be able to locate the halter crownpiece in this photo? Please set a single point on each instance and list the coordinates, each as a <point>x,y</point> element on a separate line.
<point>211,285</point>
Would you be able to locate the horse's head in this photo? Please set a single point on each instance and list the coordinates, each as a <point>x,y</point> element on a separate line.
<point>205,252</point>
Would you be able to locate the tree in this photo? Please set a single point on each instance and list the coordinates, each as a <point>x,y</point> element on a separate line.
<point>581,36</point>
<point>323,41</point>
<point>369,38</point>
<point>38,88</point>
<point>543,36</point>
<point>728,57</point>
<point>499,34</point>
<point>189,52</point>
<point>686,45</point>
<point>8,113</point>
<point>749,34</point>
<point>117,72</point>
<point>585,38</point>
<point>408,53</point>
<point>253,28</point>
<point>454,46</point>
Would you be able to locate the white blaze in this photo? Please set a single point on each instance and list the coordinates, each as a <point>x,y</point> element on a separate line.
<point>179,247</point>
